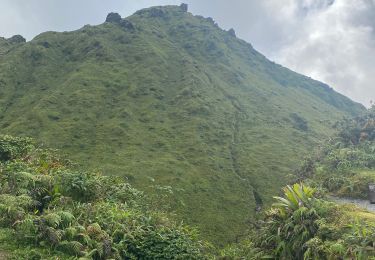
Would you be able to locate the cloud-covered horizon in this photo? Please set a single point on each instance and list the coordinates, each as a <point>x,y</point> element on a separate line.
<point>329,40</point>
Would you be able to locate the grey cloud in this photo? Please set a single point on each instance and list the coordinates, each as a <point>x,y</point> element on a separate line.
<point>336,45</point>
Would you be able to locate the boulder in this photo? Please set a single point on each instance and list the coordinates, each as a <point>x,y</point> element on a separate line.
<point>116,19</point>
<point>184,7</point>
<point>232,32</point>
<point>113,18</point>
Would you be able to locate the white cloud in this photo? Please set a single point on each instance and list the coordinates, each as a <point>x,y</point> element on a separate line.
<point>333,42</point>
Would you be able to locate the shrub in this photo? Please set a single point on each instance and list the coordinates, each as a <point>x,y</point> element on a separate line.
<point>290,223</point>
<point>82,214</point>
<point>14,147</point>
<point>300,226</point>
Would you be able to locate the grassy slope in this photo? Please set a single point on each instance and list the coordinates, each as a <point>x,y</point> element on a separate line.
<point>10,249</point>
<point>178,102</point>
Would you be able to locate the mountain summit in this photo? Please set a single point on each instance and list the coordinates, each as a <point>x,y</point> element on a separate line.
<point>165,98</point>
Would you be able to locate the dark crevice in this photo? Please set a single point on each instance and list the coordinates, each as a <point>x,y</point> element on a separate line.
<point>258,200</point>
<point>240,114</point>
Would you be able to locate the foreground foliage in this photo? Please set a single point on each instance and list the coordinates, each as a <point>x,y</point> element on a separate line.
<point>48,204</point>
<point>49,208</point>
<point>346,164</point>
<point>302,226</point>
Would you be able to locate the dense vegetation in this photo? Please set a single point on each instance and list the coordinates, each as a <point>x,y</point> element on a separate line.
<point>346,164</point>
<point>167,98</point>
<point>49,208</point>
<point>302,225</point>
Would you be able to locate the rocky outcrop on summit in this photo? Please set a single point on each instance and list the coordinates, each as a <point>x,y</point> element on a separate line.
<point>116,19</point>
<point>113,18</point>
<point>232,32</point>
<point>7,44</point>
<point>184,7</point>
<point>16,39</point>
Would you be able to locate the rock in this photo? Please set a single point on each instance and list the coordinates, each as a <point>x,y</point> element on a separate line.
<point>127,25</point>
<point>155,12</point>
<point>210,20</point>
<point>17,39</point>
<point>113,18</point>
<point>232,32</point>
<point>45,44</point>
<point>116,19</point>
<point>184,7</point>
<point>152,12</point>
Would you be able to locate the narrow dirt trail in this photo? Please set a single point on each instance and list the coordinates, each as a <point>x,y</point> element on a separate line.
<point>3,255</point>
<point>233,151</point>
<point>238,115</point>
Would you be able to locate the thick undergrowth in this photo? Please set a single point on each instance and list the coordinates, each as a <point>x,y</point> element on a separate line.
<point>50,208</point>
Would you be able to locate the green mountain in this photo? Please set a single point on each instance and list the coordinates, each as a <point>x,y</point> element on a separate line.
<point>166,98</point>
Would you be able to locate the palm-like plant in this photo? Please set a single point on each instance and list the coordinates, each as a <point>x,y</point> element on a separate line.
<point>295,197</point>
<point>291,222</point>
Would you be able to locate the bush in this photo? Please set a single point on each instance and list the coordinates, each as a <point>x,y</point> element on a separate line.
<point>82,214</point>
<point>290,223</point>
<point>300,226</point>
<point>14,147</point>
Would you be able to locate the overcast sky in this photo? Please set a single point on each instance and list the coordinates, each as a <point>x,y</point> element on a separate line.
<point>329,40</point>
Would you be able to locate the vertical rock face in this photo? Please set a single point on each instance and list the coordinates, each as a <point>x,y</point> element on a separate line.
<point>184,7</point>
<point>113,18</point>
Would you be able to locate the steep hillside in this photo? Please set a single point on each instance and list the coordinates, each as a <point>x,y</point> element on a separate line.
<point>167,98</point>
